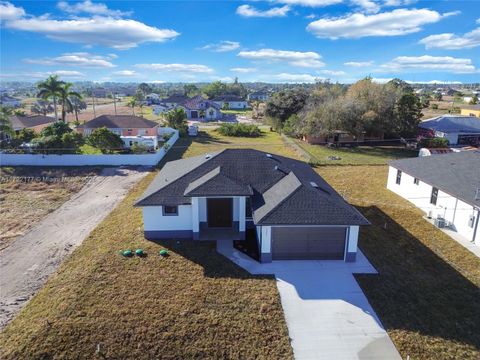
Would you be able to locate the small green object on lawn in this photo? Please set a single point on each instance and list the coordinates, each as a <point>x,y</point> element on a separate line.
<point>163,252</point>
<point>127,253</point>
<point>139,252</point>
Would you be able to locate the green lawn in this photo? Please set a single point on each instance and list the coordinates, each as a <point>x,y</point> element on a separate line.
<point>361,155</point>
<point>89,150</point>
<point>194,304</point>
<point>427,291</point>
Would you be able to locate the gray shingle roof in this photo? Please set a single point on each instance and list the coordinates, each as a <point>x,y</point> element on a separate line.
<point>119,122</point>
<point>452,124</point>
<point>457,174</point>
<point>20,122</point>
<point>281,187</point>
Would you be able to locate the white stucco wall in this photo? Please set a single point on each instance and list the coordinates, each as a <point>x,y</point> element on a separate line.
<point>153,219</point>
<point>450,208</point>
<point>352,234</point>
<point>266,239</point>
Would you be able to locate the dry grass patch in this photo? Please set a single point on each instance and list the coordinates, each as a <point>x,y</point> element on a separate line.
<point>194,304</point>
<point>427,291</point>
<point>28,194</point>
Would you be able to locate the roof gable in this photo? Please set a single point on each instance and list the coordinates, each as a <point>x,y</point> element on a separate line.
<point>119,122</point>
<point>215,183</point>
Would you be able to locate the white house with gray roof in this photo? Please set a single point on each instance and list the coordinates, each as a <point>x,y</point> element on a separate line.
<point>292,211</point>
<point>445,187</point>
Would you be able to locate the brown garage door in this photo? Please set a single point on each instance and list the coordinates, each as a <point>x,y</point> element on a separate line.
<point>323,243</point>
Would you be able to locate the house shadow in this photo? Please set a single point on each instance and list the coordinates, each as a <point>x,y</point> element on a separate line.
<point>415,289</point>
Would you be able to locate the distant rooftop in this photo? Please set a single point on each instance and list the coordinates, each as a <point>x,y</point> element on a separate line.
<point>452,124</point>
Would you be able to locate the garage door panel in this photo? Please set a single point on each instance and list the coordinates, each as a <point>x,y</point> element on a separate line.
<point>308,243</point>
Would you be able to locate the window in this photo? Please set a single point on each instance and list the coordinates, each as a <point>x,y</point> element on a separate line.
<point>399,177</point>
<point>433,198</point>
<point>416,181</point>
<point>170,210</point>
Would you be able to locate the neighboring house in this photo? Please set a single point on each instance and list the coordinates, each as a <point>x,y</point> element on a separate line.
<point>231,102</point>
<point>160,109</point>
<point>457,129</point>
<point>294,213</point>
<point>35,122</point>
<point>10,101</point>
<point>445,187</point>
<point>470,110</point>
<point>258,96</point>
<point>123,125</point>
<point>152,99</point>
<point>199,108</point>
<point>173,100</point>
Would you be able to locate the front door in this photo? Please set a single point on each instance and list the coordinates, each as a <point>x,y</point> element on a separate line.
<point>194,114</point>
<point>219,212</point>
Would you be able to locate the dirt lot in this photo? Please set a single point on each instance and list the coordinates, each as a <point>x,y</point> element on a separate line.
<point>27,195</point>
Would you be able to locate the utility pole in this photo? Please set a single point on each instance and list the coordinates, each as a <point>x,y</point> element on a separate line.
<point>115,103</point>
<point>93,104</point>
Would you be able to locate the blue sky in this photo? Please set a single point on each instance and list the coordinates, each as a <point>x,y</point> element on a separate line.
<point>271,41</point>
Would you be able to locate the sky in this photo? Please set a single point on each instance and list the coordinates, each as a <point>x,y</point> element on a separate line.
<point>268,41</point>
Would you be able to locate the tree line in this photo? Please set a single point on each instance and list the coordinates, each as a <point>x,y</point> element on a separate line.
<point>365,107</point>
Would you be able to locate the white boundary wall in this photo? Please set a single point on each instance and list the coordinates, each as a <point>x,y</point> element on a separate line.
<point>87,160</point>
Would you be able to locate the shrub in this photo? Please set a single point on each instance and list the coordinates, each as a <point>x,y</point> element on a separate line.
<point>243,130</point>
<point>139,148</point>
<point>434,143</point>
<point>434,106</point>
<point>105,140</point>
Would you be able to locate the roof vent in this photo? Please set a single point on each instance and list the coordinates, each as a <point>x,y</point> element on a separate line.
<point>276,167</point>
<point>269,155</point>
<point>208,156</point>
<point>314,184</point>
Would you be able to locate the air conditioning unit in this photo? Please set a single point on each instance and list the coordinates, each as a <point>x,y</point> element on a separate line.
<point>471,221</point>
<point>439,222</point>
<point>430,214</point>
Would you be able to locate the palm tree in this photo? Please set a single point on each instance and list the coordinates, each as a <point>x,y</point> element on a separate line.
<point>78,105</point>
<point>5,123</point>
<point>50,89</point>
<point>66,95</point>
<point>132,103</point>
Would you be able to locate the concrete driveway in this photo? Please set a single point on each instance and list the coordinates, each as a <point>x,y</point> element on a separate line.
<point>28,262</point>
<point>327,314</point>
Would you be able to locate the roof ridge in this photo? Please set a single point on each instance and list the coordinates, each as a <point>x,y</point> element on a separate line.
<point>285,198</point>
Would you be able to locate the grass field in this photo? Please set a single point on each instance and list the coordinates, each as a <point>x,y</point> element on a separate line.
<point>24,202</point>
<point>361,155</point>
<point>194,304</point>
<point>427,291</point>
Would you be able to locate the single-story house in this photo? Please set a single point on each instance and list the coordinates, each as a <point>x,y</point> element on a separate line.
<point>199,108</point>
<point>173,100</point>
<point>258,96</point>
<point>294,213</point>
<point>123,125</point>
<point>10,101</point>
<point>470,110</point>
<point>445,187</point>
<point>35,122</point>
<point>231,101</point>
<point>457,129</point>
<point>152,99</point>
<point>160,109</point>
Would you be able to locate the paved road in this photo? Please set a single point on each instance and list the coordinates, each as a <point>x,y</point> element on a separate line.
<point>327,314</point>
<point>27,263</point>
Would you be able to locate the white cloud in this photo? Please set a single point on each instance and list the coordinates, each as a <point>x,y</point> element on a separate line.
<point>369,6</point>
<point>358,63</point>
<point>396,22</point>
<point>125,73</point>
<point>250,11</point>
<point>292,78</point>
<point>9,11</point>
<point>398,2</point>
<point>80,59</point>
<point>243,70</point>
<point>181,68</point>
<point>222,46</point>
<point>381,80</point>
<point>90,8</point>
<point>452,42</point>
<point>478,21</point>
<point>430,63</point>
<point>67,73</point>
<point>99,30</point>
<point>295,58</point>
<point>310,3</point>
<point>333,72</point>
<point>311,16</point>
<point>434,82</point>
